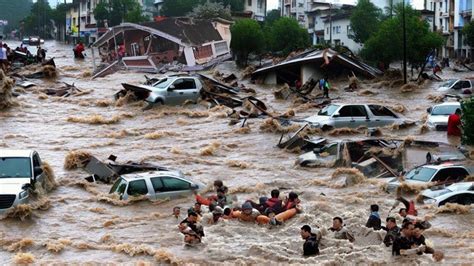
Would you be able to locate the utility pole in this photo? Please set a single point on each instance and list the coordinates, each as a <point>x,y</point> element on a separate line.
<point>404,45</point>
<point>330,24</point>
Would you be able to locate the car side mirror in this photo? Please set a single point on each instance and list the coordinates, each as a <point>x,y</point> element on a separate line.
<point>428,110</point>
<point>336,115</point>
<point>38,171</point>
<point>193,186</point>
<point>26,186</point>
<point>171,88</point>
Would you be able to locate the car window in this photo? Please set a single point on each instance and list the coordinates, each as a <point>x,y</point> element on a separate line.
<point>358,111</point>
<point>174,184</point>
<point>463,199</point>
<point>421,174</point>
<point>184,84</point>
<point>157,184</point>
<point>163,83</point>
<point>328,110</point>
<point>448,83</point>
<point>11,167</point>
<point>450,174</point>
<point>345,111</point>
<point>137,187</point>
<point>465,84</point>
<point>444,109</point>
<point>379,110</point>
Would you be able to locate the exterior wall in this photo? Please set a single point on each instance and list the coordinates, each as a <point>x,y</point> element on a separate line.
<point>257,7</point>
<point>308,71</point>
<point>340,34</point>
<point>224,31</point>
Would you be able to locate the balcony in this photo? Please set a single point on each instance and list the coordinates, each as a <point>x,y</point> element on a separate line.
<point>287,2</point>
<point>466,13</point>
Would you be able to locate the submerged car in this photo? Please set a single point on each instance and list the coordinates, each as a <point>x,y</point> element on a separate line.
<point>443,174</point>
<point>171,90</point>
<point>154,185</point>
<point>353,116</point>
<point>20,170</point>
<point>460,193</point>
<point>461,87</point>
<point>438,115</point>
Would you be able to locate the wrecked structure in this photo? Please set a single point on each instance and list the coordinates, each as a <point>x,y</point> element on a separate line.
<point>185,43</point>
<point>314,64</point>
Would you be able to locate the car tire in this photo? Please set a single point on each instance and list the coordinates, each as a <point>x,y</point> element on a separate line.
<point>327,128</point>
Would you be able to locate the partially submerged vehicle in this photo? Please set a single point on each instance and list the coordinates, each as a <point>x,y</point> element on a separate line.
<point>438,115</point>
<point>339,115</point>
<point>378,157</point>
<point>460,193</point>
<point>442,174</point>
<point>460,87</point>
<point>20,171</point>
<point>154,185</point>
<point>33,41</point>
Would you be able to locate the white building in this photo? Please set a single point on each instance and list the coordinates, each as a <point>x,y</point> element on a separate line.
<point>257,7</point>
<point>337,31</point>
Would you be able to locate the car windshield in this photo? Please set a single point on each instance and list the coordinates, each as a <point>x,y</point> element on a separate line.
<point>11,167</point>
<point>328,110</point>
<point>421,174</point>
<point>448,83</point>
<point>444,109</point>
<point>119,186</point>
<point>163,83</point>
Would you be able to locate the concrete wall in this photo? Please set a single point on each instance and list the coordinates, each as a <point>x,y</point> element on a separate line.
<point>340,34</point>
<point>310,71</point>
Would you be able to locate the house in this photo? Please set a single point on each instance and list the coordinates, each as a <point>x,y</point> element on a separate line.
<point>258,8</point>
<point>80,21</point>
<point>314,64</point>
<point>194,43</point>
<point>337,30</point>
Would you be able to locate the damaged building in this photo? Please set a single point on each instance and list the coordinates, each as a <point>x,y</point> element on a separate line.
<point>190,44</point>
<point>314,64</point>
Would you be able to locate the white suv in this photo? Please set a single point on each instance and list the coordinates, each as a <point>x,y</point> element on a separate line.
<point>154,185</point>
<point>19,170</point>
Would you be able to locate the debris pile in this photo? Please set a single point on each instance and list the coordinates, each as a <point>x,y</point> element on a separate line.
<point>6,94</point>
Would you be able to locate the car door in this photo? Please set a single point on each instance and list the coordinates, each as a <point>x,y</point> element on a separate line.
<point>183,90</point>
<point>462,198</point>
<point>174,187</point>
<point>137,188</point>
<point>190,90</point>
<point>343,117</point>
<point>449,175</point>
<point>381,116</point>
<point>175,93</point>
<point>360,116</point>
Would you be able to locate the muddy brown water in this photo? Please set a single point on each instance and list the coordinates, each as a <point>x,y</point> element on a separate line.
<point>78,228</point>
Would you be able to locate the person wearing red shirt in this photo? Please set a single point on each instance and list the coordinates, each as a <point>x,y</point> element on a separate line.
<point>78,50</point>
<point>454,124</point>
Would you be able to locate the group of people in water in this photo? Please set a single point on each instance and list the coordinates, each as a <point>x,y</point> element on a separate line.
<point>273,210</point>
<point>20,54</point>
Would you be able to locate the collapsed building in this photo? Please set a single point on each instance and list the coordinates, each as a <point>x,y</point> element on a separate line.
<point>190,44</point>
<point>316,64</point>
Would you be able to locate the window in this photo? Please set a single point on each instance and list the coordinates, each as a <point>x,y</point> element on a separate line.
<point>345,111</point>
<point>175,184</point>
<point>378,110</point>
<point>119,186</point>
<point>249,2</point>
<point>463,199</point>
<point>450,174</point>
<point>327,30</point>
<point>137,187</point>
<point>15,167</point>
<point>358,111</point>
<point>157,184</point>
<point>444,109</point>
<point>328,110</point>
<point>184,84</point>
<point>421,174</point>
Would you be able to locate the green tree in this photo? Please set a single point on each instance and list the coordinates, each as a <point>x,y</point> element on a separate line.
<point>101,13</point>
<point>247,37</point>
<point>211,10</point>
<point>124,11</point>
<point>14,12</point>
<point>38,22</point>
<point>179,8</point>
<point>234,5</point>
<point>467,119</point>
<point>468,32</point>
<point>365,20</point>
<point>386,45</point>
<point>287,35</point>
<point>272,16</point>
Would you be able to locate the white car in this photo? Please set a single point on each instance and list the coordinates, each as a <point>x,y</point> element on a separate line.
<point>460,193</point>
<point>461,87</point>
<point>354,115</point>
<point>19,171</point>
<point>438,115</point>
<point>154,185</point>
<point>442,174</point>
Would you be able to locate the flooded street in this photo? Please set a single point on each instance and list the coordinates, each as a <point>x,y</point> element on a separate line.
<point>79,224</point>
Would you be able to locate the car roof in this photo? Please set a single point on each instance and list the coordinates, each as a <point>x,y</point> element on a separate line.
<point>461,186</point>
<point>441,166</point>
<point>150,174</point>
<point>448,103</point>
<point>16,153</point>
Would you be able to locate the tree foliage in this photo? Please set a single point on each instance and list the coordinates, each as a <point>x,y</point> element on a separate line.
<point>14,12</point>
<point>179,8</point>
<point>386,45</point>
<point>101,13</point>
<point>272,16</point>
<point>211,10</point>
<point>118,11</point>
<point>365,20</point>
<point>286,35</point>
<point>38,22</point>
<point>467,119</point>
<point>468,31</point>
<point>247,37</point>
<point>233,5</point>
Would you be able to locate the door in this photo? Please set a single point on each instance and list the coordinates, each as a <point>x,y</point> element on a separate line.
<point>381,116</point>
<point>185,89</point>
<point>174,93</point>
<point>450,175</point>
<point>174,187</point>
<point>463,199</point>
<point>343,117</point>
<point>138,188</point>
<point>360,117</point>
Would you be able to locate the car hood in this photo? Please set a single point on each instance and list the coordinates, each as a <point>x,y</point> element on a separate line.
<point>317,119</point>
<point>429,193</point>
<point>12,185</point>
<point>438,119</point>
<point>442,88</point>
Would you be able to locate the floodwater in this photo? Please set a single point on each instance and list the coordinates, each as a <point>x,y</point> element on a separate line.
<point>76,224</point>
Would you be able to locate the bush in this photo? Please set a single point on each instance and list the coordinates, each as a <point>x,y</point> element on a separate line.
<point>247,37</point>
<point>467,119</point>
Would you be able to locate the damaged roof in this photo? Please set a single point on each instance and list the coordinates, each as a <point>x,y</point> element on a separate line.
<point>317,56</point>
<point>190,31</point>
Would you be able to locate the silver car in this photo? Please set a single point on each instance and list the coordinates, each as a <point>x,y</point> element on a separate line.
<point>171,90</point>
<point>354,115</point>
<point>457,86</point>
<point>460,193</point>
<point>438,115</point>
<point>154,185</point>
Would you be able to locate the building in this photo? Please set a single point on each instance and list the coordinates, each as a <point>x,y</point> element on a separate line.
<point>337,30</point>
<point>258,8</point>
<point>80,21</point>
<point>194,43</point>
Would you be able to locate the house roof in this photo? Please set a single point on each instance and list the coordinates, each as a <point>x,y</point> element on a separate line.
<point>183,31</point>
<point>317,56</point>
